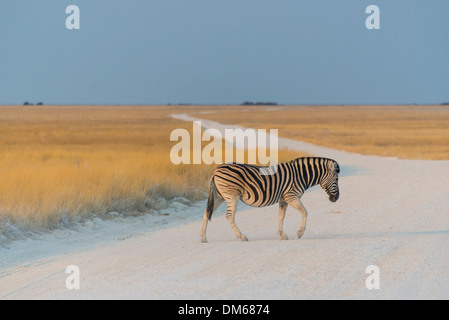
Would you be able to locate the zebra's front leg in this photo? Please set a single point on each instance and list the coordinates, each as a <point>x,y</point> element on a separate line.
<point>230,216</point>
<point>297,204</point>
<point>282,209</point>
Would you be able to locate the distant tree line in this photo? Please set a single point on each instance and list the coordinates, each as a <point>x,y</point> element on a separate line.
<point>26,103</point>
<point>250,103</point>
<point>246,103</point>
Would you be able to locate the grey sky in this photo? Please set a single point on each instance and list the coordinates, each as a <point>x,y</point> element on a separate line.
<point>227,51</point>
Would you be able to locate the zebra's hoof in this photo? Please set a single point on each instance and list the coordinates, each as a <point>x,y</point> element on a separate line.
<point>299,234</point>
<point>284,237</point>
<point>243,238</point>
<point>203,240</point>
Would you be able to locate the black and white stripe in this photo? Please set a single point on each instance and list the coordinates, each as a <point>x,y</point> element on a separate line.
<point>286,185</point>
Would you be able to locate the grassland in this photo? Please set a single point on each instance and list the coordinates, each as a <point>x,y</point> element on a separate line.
<point>60,162</point>
<point>408,132</point>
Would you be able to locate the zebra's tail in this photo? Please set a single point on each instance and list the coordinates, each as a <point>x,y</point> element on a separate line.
<point>210,200</point>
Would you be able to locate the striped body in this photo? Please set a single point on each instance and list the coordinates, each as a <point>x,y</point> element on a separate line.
<point>231,182</point>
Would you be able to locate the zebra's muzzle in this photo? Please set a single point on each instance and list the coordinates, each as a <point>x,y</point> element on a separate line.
<point>334,197</point>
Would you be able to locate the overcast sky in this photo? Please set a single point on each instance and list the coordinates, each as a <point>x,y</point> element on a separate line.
<point>224,52</point>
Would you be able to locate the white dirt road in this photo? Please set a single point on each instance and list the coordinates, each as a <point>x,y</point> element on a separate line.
<point>393,214</point>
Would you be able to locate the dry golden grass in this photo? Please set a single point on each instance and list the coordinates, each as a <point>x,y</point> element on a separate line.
<point>58,161</point>
<point>410,132</point>
<point>80,160</point>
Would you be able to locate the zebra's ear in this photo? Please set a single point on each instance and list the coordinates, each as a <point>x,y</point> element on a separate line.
<point>337,167</point>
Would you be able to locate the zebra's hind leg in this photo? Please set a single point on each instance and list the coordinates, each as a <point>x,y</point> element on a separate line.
<point>204,227</point>
<point>282,209</point>
<point>230,216</point>
<point>217,202</point>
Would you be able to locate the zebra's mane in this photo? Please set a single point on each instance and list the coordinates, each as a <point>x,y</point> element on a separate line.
<point>311,158</point>
<point>307,159</point>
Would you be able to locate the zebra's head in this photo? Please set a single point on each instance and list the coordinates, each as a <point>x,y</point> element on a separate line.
<point>329,181</point>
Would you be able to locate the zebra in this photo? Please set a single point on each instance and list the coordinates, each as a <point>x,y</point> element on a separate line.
<point>233,181</point>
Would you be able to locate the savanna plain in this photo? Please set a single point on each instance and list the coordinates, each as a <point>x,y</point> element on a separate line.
<point>62,162</point>
<point>68,163</point>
